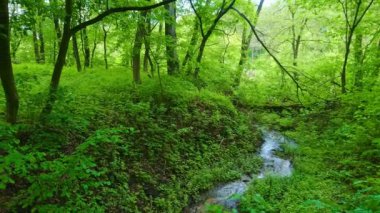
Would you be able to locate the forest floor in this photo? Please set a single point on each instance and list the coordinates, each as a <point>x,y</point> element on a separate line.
<point>111,146</point>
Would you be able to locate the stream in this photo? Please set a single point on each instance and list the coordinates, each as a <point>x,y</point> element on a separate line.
<point>227,195</point>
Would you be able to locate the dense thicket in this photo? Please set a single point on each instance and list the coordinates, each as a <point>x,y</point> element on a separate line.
<point>141,106</point>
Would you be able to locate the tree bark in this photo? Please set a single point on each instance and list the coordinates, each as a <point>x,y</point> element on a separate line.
<point>136,58</point>
<point>358,54</point>
<point>6,71</point>
<point>57,28</point>
<point>67,32</point>
<point>350,30</point>
<point>94,48</point>
<point>205,36</point>
<point>374,75</point>
<point>86,48</point>
<point>246,39</point>
<point>191,49</point>
<point>147,57</point>
<point>35,45</point>
<point>60,59</point>
<point>171,39</point>
<point>76,53</point>
<point>42,43</point>
<point>105,46</point>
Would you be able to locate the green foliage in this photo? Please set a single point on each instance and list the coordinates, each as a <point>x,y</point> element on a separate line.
<point>108,146</point>
<point>335,160</point>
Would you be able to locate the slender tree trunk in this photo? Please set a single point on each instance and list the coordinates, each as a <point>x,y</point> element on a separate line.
<point>296,38</point>
<point>6,71</point>
<point>146,60</point>
<point>76,53</point>
<point>94,48</point>
<point>136,50</point>
<point>86,48</point>
<point>14,49</point>
<point>171,39</point>
<point>374,75</point>
<point>147,57</point>
<point>206,36</point>
<point>350,30</point>
<point>146,43</point>
<point>42,43</point>
<point>36,46</point>
<point>246,39</point>
<point>191,49</point>
<point>345,61</point>
<point>57,28</point>
<point>105,46</point>
<point>200,55</point>
<point>58,37</point>
<point>358,49</point>
<point>60,59</point>
<point>244,47</point>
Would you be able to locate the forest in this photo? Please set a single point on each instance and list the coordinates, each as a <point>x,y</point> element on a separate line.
<point>190,106</point>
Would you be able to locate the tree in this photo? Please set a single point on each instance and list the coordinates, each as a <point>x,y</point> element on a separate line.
<point>283,69</point>
<point>296,36</point>
<point>223,9</point>
<point>6,71</point>
<point>68,32</point>
<point>60,62</point>
<point>56,20</point>
<point>105,33</point>
<point>147,54</point>
<point>171,39</point>
<point>191,49</point>
<point>76,52</point>
<point>136,58</point>
<point>246,39</point>
<point>245,42</point>
<point>351,24</point>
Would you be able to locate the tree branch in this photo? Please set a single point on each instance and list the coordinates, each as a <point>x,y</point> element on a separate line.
<point>111,11</point>
<point>268,51</point>
<point>198,17</point>
<point>364,12</point>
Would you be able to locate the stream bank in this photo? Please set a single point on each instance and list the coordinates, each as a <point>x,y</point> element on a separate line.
<point>227,195</point>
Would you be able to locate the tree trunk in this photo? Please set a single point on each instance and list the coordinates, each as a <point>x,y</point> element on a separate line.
<point>35,45</point>
<point>147,57</point>
<point>57,28</point>
<point>345,61</point>
<point>171,39</point>
<point>191,49</point>
<point>93,49</point>
<point>200,55</point>
<point>374,75</point>
<point>86,47</point>
<point>358,53</point>
<point>42,43</point>
<point>60,59</point>
<point>350,30</point>
<point>6,71</point>
<point>205,36</point>
<point>105,46</point>
<point>246,40</point>
<point>244,46</point>
<point>76,53</point>
<point>137,48</point>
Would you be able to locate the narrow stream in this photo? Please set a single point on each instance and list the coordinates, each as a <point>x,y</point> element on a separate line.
<point>227,194</point>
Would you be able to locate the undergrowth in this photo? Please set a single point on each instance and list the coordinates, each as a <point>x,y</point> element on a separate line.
<point>111,146</point>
